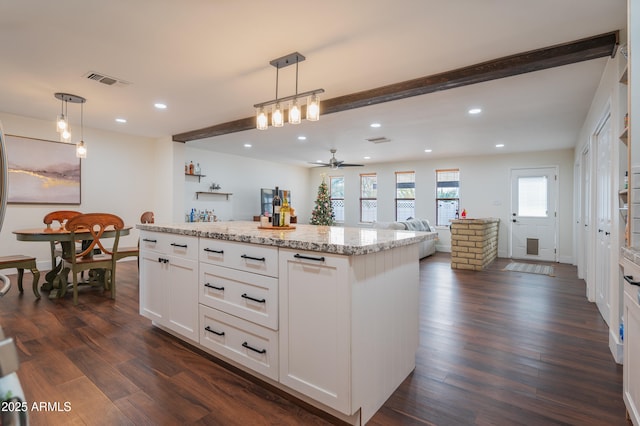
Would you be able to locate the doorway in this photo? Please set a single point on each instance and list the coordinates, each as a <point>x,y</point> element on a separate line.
<point>534,213</point>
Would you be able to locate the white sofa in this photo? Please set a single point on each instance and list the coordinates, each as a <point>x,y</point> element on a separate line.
<point>428,247</point>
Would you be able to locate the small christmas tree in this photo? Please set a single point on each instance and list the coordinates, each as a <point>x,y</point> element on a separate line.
<point>322,213</point>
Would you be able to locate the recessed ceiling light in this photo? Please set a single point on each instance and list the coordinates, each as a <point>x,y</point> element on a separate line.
<point>121,120</point>
<point>375,125</point>
<point>475,111</point>
<point>367,158</point>
<point>318,161</point>
<point>247,145</point>
<point>428,150</point>
<point>160,106</point>
<point>302,138</point>
<point>499,145</point>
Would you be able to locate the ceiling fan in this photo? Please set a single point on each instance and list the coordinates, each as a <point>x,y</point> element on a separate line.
<point>334,163</point>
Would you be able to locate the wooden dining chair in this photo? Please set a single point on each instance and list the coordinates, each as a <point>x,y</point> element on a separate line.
<point>61,217</point>
<point>147,217</point>
<point>97,224</point>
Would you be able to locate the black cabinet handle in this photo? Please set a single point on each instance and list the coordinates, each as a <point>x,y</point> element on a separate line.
<point>259,259</point>
<point>211,330</point>
<point>179,245</point>
<point>214,251</point>
<point>162,260</point>
<point>214,287</point>
<point>301,256</point>
<point>629,279</point>
<point>147,240</point>
<point>260,351</point>
<point>255,300</point>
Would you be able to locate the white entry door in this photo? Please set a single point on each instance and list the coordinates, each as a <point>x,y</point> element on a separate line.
<point>534,213</point>
<point>603,218</point>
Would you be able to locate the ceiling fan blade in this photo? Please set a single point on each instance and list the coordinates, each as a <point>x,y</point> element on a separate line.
<point>320,164</point>
<point>351,165</point>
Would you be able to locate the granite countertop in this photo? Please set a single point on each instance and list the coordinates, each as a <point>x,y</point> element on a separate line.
<point>633,254</point>
<point>326,239</point>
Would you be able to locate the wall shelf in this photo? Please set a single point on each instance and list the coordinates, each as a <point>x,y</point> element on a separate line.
<point>225,194</point>
<point>192,175</point>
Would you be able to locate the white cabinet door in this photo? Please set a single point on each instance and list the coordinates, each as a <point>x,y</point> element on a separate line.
<point>315,332</point>
<point>182,296</point>
<point>631,375</point>
<point>169,282</point>
<point>152,287</point>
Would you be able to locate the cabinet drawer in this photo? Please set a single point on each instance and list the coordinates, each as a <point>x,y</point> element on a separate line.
<point>249,296</point>
<point>184,246</point>
<point>242,256</point>
<point>248,344</point>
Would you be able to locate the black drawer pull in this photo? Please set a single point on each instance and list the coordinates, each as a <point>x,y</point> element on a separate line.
<point>211,330</point>
<point>629,279</point>
<point>214,287</point>
<point>147,240</point>
<point>255,300</point>
<point>301,256</point>
<point>260,259</point>
<point>162,260</point>
<point>214,251</point>
<point>260,351</point>
<point>179,245</point>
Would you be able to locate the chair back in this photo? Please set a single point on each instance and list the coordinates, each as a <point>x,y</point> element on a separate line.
<point>60,216</point>
<point>147,217</point>
<point>97,224</point>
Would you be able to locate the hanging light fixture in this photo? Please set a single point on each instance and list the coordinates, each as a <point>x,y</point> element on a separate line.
<point>294,113</point>
<point>64,129</point>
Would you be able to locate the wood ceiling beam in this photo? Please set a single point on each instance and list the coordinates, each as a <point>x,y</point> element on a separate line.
<point>535,60</point>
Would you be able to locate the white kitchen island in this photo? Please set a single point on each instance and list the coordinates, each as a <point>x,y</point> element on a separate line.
<point>327,314</point>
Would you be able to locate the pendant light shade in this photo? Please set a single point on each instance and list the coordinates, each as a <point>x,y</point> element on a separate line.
<point>294,112</point>
<point>261,119</point>
<point>81,150</point>
<point>313,108</point>
<point>277,117</point>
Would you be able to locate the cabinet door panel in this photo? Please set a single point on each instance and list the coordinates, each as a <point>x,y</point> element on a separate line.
<point>182,296</point>
<point>315,327</point>
<point>152,288</point>
<point>631,378</point>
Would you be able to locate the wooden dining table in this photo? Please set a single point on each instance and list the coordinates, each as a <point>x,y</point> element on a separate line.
<point>48,234</point>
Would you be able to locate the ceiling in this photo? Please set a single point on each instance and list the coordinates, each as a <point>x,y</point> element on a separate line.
<point>208,60</point>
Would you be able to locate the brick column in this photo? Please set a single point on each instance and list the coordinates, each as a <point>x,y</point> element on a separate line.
<point>474,243</point>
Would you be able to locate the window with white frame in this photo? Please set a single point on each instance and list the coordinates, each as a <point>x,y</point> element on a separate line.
<point>405,195</point>
<point>368,197</point>
<point>447,196</point>
<point>336,194</point>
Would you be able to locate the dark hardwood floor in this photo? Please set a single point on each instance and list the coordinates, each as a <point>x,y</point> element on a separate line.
<point>496,348</point>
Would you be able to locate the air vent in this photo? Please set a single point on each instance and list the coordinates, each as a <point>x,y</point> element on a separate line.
<point>379,140</point>
<point>105,79</point>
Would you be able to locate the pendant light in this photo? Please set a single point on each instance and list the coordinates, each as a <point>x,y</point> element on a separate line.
<point>294,110</point>
<point>62,122</point>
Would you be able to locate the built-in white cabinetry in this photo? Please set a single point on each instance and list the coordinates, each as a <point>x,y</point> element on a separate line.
<point>315,327</point>
<point>239,303</point>
<point>169,281</point>
<point>339,331</point>
<point>631,315</point>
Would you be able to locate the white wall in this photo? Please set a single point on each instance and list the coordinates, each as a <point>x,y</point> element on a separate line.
<point>243,177</point>
<point>118,176</point>
<point>484,191</point>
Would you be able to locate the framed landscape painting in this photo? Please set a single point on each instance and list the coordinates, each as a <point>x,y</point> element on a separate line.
<point>42,172</point>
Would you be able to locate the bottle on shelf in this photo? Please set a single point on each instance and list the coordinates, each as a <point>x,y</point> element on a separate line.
<point>191,168</point>
<point>197,169</point>
<point>285,211</point>
<point>277,204</point>
<point>626,180</point>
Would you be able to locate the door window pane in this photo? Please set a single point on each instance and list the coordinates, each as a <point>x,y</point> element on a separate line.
<point>532,196</point>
